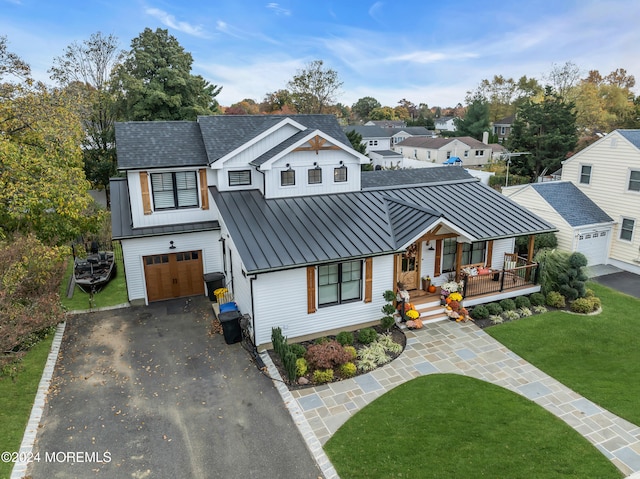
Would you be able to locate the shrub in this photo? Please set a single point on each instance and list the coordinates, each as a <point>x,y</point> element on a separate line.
<point>367,335</point>
<point>387,322</point>
<point>522,302</point>
<point>321,376</point>
<point>510,315</point>
<point>278,340</point>
<point>479,312</point>
<point>508,304</point>
<point>326,355</point>
<point>582,305</point>
<point>524,312</point>
<point>539,309</point>
<point>301,367</point>
<point>496,319</point>
<point>555,300</point>
<point>389,344</point>
<point>389,296</point>
<point>298,349</point>
<point>494,309</point>
<point>345,338</point>
<point>289,361</point>
<point>588,293</point>
<point>321,340</point>
<point>351,351</point>
<point>537,299</point>
<point>596,304</point>
<point>568,292</point>
<point>388,309</point>
<point>375,353</point>
<point>347,370</point>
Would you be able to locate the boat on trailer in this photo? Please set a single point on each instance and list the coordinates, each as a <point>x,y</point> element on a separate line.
<point>95,271</point>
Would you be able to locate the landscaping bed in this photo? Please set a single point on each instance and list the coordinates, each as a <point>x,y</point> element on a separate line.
<point>334,358</point>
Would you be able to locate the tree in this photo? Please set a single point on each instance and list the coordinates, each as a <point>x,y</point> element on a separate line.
<point>382,113</point>
<point>476,120</point>
<point>244,107</point>
<point>364,106</point>
<point>547,130</point>
<point>87,68</point>
<point>355,139</point>
<point>155,81</point>
<point>314,88</point>
<point>563,79</point>
<point>279,101</point>
<point>503,95</point>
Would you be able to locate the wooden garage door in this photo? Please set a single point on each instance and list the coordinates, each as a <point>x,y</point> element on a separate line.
<point>173,275</point>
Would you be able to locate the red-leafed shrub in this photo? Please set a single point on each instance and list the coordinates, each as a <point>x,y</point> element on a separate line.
<point>327,355</point>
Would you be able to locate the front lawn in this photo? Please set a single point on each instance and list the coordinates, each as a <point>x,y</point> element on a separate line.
<point>596,356</point>
<point>450,426</point>
<point>16,399</point>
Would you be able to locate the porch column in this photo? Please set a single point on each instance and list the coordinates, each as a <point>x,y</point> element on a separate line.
<point>458,260</point>
<point>532,242</point>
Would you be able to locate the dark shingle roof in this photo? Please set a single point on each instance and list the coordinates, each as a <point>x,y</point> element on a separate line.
<point>121,217</point>
<point>371,131</point>
<point>394,178</point>
<point>572,204</point>
<point>281,233</point>
<point>632,135</point>
<point>158,144</point>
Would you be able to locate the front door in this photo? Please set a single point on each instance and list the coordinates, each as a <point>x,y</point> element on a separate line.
<point>410,267</point>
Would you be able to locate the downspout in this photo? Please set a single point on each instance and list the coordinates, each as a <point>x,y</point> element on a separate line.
<point>254,350</point>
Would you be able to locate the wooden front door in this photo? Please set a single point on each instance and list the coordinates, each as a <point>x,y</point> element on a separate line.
<point>173,275</point>
<point>410,267</point>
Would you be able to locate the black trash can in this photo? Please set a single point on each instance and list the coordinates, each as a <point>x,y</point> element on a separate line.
<point>214,281</point>
<point>230,321</point>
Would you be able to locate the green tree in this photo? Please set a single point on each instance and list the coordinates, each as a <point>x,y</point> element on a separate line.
<point>547,130</point>
<point>476,120</point>
<point>279,101</point>
<point>355,139</point>
<point>364,106</point>
<point>87,68</point>
<point>155,81</point>
<point>314,88</point>
<point>383,113</point>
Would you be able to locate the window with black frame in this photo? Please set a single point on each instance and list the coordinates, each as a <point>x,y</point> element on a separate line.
<point>339,283</point>
<point>472,253</point>
<point>174,190</point>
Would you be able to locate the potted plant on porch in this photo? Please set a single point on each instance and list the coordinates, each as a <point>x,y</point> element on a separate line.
<point>426,282</point>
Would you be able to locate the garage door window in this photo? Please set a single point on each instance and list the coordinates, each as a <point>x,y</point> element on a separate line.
<point>626,230</point>
<point>157,259</point>
<point>174,190</point>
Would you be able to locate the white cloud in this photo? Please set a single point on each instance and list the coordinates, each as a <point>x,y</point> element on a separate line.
<point>171,22</point>
<point>278,10</point>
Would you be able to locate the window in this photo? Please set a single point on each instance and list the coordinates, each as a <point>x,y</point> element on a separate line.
<point>626,229</point>
<point>448,155</point>
<point>634,180</point>
<point>339,283</point>
<point>174,190</point>
<point>479,152</point>
<point>428,155</point>
<point>340,174</point>
<point>585,174</point>
<point>466,153</point>
<point>288,177</point>
<point>502,130</point>
<point>240,178</point>
<point>471,253</point>
<point>315,176</point>
<point>373,142</point>
<point>415,153</point>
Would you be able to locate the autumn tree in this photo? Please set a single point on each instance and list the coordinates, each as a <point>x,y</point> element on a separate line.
<point>87,68</point>
<point>364,106</point>
<point>314,88</point>
<point>278,102</point>
<point>563,79</point>
<point>546,130</point>
<point>383,113</point>
<point>244,107</point>
<point>503,95</point>
<point>154,82</point>
<point>476,119</point>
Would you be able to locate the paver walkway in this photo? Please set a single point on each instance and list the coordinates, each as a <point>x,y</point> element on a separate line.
<point>449,347</point>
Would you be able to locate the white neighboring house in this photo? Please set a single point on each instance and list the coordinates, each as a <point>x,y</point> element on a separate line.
<point>608,172</point>
<point>304,241</point>
<point>382,138</point>
<point>438,150</point>
<point>445,123</point>
<point>582,226</point>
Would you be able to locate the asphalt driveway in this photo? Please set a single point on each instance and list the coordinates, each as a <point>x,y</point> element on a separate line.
<point>150,392</point>
<point>624,281</point>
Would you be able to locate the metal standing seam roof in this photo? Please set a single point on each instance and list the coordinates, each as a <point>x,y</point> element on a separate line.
<point>571,203</point>
<point>282,233</point>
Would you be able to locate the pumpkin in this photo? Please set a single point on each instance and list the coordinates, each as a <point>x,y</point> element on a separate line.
<point>432,288</point>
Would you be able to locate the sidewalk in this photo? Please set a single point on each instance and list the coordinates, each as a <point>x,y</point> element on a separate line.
<point>449,347</point>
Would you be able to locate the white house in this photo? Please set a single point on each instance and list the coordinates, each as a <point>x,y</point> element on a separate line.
<point>438,150</point>
<point>305,241</point>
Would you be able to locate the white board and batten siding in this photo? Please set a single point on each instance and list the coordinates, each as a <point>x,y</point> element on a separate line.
<point>280,299</point>
<point>500,247</point>
<point>133,251</point>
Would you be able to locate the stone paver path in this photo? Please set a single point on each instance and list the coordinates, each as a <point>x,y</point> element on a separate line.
<point>449,347</point>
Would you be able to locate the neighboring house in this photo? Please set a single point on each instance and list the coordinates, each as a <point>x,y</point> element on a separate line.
<point>608,172</point>
<point>498,152</point>
<point>445,123</point>
<point>438,150</point>
<point>387,159</point>
<point>305,241</point>
<point>502,127</point>
<point>582,225</point>
<point>377,138</point>
<point>387,123</point>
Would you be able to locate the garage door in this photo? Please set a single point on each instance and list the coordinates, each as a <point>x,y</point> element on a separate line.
<point>173,275</point>
<point>594,246</point>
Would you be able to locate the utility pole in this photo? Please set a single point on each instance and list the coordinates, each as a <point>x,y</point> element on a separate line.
<point>507,156</point>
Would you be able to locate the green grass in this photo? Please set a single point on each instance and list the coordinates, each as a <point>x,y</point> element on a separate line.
<point>596,356</point>
<point>449,426</point>
<point>16,399</point>
<point>114,293</point>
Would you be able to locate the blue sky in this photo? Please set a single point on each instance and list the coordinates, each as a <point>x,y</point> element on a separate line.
<point>423,50</point>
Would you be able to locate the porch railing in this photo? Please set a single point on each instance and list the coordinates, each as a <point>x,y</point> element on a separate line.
<point>517,272</point>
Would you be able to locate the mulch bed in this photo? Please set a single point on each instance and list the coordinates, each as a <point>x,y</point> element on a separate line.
<point>396,333</point>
